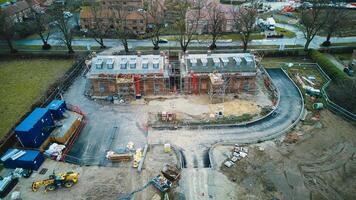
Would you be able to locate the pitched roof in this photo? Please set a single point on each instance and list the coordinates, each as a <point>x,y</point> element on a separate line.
<point>16,8</point>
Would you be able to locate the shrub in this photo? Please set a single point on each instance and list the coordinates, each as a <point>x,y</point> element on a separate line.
<point>330,69</point>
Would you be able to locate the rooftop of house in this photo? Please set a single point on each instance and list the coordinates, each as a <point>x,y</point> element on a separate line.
<point>223,63</point>
<point>128,64</point>
<point>87,13</point>
<point>15,8</point>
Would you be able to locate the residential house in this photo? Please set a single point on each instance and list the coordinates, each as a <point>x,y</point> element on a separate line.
<point>112,10</point>
<point>203,24</point>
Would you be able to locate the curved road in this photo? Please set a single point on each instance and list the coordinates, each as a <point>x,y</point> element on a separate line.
<point>195,143</point>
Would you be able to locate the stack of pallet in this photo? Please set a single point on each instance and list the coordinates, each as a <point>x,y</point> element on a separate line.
<point>115,157</point>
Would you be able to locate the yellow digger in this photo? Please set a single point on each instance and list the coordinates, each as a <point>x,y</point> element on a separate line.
<point>66,179</point>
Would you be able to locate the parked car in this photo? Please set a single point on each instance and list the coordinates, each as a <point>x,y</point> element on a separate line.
<point>162,40</point>
<point>67,14</point>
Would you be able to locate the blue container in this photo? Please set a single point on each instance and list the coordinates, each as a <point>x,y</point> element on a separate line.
<point>57,108</point>
<point>35,129</point>
<point>30,160</point>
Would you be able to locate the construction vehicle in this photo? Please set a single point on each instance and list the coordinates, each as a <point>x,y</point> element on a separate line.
<point>65,179</point>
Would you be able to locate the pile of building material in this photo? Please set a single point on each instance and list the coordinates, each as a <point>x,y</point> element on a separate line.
<point>137,158</point>
<point>117,157</point>
<point>7,184</point>
<point>55,151</point>
<point>310,90</point>
<point>237,154</point>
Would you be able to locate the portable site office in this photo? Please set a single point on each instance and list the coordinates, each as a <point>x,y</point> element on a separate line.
<point>35,128</point>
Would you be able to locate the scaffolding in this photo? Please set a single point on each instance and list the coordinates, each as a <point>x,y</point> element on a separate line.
<point>217,88</point>
<point>125,88</point>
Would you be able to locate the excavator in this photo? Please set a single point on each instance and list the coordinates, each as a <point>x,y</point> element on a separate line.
<point>65,179</point>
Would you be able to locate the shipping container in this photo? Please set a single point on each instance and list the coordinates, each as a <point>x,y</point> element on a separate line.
<point>57,108</point>
<point>30,160</point>
<point>35,128</point>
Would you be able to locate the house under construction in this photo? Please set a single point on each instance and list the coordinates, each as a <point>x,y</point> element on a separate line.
<point>128,76</point>
<point>218,74</point>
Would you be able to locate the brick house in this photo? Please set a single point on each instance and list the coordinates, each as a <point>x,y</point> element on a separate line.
<point>129,75</point>
<point>204,24</point>
<point>136,20</point>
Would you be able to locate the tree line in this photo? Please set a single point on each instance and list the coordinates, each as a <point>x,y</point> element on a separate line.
<point>313,20</point>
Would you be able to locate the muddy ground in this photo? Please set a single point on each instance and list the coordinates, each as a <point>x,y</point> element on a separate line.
<point>319,162</point>
<point>96,182</point>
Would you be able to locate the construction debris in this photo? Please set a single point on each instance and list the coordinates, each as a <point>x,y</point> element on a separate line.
<point>237,154</point>
<point>291,138</point>
<point>171,172</point>
<point>168,116</point>
<point>161,183</point>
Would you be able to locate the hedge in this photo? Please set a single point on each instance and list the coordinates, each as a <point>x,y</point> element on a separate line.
<point>329,68</point>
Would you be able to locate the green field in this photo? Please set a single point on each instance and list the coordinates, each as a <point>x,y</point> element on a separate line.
<point>276,62</point>
<point>23,81</point>
<point>285,32</point>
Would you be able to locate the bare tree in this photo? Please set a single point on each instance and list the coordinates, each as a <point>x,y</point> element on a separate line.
<point>62,23</point>
<point>155,20</point>
<point>187,21</point>
<point>215,22</point>
<point>99,28</point>
<point>119,15</point>
<point>7,30</point>
<point>337,20</point>
<point>245,18</point>
<point>41,21</point>
<point>312,19</point>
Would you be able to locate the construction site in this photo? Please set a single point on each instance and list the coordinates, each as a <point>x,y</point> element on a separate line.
<point>186,126</point>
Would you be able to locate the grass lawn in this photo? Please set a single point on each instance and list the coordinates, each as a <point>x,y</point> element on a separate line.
<point>276,62</point>
<point>343,56</point>
<point>23,81</point>
<point>285,32</point>
<point>346,44</point>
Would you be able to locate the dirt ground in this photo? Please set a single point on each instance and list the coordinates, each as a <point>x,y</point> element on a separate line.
<point>196,108</point>
<point>318,164</point>
<point>100,182</point>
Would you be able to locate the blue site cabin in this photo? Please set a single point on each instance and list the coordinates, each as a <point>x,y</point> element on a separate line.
<point>35,128</point>
<point>30,160</point>
<point>57,108</point>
